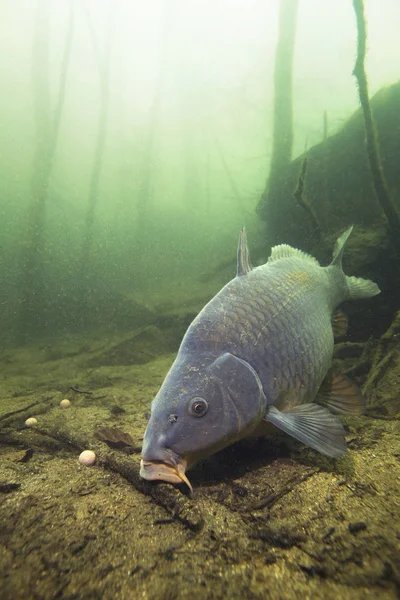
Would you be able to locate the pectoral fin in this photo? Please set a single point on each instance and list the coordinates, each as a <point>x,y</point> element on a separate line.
<point>313,425</point>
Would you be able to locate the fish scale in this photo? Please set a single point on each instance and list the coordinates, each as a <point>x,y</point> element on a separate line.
<point>257,353</point>
<point>267,294</point>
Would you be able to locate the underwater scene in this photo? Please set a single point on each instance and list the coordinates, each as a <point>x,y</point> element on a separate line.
<point>199,299</point>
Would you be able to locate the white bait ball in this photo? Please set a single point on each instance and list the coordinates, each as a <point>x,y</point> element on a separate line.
<point>87,458</point>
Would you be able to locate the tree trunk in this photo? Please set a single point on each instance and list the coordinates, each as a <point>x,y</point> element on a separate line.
<point>146,170</point>
<point>145,195</point>
<point>283,107</point>
<point>104,80</point>
<point>33,286</point>
<point>378,177</point>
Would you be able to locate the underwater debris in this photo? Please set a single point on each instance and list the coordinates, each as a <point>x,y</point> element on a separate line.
<point>65,403</point>
<point>356,527</point>
<point>278,537</point>
<point>6,487</point>
<point>380,386</point>
<point>272,498</point>
<point>77,391</point>
<point>116,438</point>
<point>31,422</point>
<point>117,410</point>
<point>21,456</point>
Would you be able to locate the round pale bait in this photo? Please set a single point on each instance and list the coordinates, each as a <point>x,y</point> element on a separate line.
<point>87,458</point>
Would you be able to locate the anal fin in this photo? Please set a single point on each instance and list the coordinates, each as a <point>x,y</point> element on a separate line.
<point>341,396</point>
<point>340,323</point>
<point>313,425</point>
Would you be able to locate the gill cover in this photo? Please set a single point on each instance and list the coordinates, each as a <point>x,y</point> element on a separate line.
<point>244,401</point>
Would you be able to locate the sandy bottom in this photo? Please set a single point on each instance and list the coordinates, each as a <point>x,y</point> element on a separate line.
<point>268,518</point>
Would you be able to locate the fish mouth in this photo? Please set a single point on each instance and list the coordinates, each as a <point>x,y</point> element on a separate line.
<point>154,470</point>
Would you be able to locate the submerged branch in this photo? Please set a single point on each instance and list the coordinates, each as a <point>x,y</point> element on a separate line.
<point>20,410</point>
<point>171,499</point>
<point>299,196</point>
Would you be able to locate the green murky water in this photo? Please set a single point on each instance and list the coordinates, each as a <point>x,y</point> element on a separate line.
<point>136,142</point>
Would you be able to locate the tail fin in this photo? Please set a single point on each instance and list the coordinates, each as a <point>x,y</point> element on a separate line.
<point>361,288</point>
<point>357,287</point>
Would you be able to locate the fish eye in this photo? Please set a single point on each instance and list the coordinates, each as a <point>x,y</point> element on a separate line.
<point>198,407</point>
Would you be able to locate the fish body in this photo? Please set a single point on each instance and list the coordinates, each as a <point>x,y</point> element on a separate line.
<point>257,353</point>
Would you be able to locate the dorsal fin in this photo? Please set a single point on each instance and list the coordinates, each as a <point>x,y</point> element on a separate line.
<point>285,251</point>
<point>339,247</point>
<point>243,256</point>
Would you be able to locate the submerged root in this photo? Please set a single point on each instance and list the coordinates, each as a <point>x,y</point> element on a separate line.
<point>170,498</point>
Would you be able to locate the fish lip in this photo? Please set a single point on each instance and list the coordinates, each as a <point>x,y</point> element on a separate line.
<point>158,470</point>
